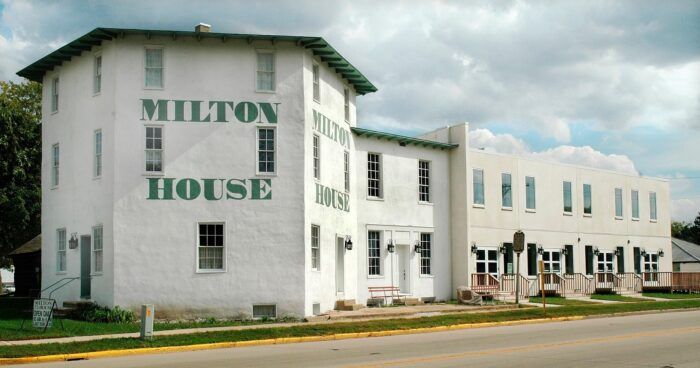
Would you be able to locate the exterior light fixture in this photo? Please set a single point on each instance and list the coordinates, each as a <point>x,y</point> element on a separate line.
<point>644,253</point>
<point>540,250</point>
<point>503,249</point>
<point>596,252</point>
<point>474,248</point>
<point>73,242</point>
<point>348,243</point>
<point>628,241</point>
<point>617,252</point>
<point>390,247</point>
<point>418,247</point>
<point>564,251</point>
<point>660,252</point>
<point>579,239</point>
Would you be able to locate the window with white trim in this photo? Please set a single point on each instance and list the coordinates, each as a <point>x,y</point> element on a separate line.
<point>618,202</point>
<point>315,247</point>
<point>265,71</point>
<point>210,246</point>
<point>530,199</point>
<point>374,175</point>
<point>346,98</point>
<point>154,149</point>
<point>506,191</point>
<point>635,204</point>
<point>478,184</point>
<point>54,95</point>
<point>55,161</point>
<point>97,249</point>
<point>266,150</point>
<point>426,249</point>
<point>97,75</point>
<point>315,71</point>
<point>568,204</point>
<point>61,259</point>
<point>317,156</point>
<point>652,206</point>
<point>97,160</point>
<point>587,200</point>
<point>346,170</point>
<point>153,75</point>
<point>374,253</point>
<point>423,181</point>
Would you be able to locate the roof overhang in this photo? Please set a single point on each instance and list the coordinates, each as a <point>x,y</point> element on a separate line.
<point>402,139</point>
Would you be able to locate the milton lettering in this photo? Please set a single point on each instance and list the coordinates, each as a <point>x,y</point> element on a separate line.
<point>193,111</point>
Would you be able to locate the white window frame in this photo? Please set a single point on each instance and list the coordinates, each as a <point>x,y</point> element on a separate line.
<point>97,154</point>
<point>198,246</point>
<point>607,259</point>
<point>258,151</point>
<point>316,81</point>
<point>424,182</point>
<point>378,179</point>
<point>570,197</point>
<point>487,261</point>
<point>146,149</point>
<point>55,165</point>
<point>482,185</point>
<point>97,249</point>
<point>315,247</point>
<point>61,251</point>
<point>316,156</point>
<point>510,185</point>
<point>346,170</point>
<point>97,74</point>
<point>55,89</point>
<point>590,198</point>
<point>346,100</point>
<point>619,208</point>
<point>634,198</point>
<point>550,263</point>
<point>534,194</point>
<point>378,257</point>
<point>162,67</point>
<point>653,209</point>
<point>426,254</point>
<point>258,72</point>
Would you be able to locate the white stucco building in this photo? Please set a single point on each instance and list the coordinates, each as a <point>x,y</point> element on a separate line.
<point>218,174</point>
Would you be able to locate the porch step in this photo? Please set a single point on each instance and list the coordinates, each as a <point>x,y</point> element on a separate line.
<point>75,304</point>
<point>347,305</point>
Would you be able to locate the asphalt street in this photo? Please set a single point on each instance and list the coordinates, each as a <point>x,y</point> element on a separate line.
<point>653,340</point>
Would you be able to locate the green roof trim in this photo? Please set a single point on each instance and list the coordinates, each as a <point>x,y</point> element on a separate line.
<point>402,139</point>
<point>317,45</point>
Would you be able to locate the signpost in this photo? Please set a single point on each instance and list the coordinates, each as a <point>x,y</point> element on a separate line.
<point>518,247</point>
<point>42,313</point>
<point>542,291</point>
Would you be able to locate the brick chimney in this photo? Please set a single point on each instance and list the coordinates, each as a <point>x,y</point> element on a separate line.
<point>202,27</point>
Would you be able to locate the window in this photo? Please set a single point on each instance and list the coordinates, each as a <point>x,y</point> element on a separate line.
<point>487,261</point>
<point>315,247</point>
<point>605,262</point>
<point>635,205</point>
<point>424,181</point>
<point>54,95</point>
<point>154,149</point>
<point>97,243</point>
<point>266,71</point>
<point>506,191</point>
<point>316,82</point>
<point>317,157</point>
<point>266,150</point>
<point>374,176</point>
<point>210,247</point>
<point>478,186</point>
<point>425,253</point>
<point>346,94</point>
<point>97,75</point>
<point>346,170</point>
<point>97,166</point>
<point>61,250</point>
<point>652,206</point>
<point>55,153</point>
<point>618,202</point>
<point>529,193</point>
<point>567,197</point>
<point>373,253</point>
<point>587,201</point>
<point>265,311</point>
<point>551,260</point>
<point>154,68</point>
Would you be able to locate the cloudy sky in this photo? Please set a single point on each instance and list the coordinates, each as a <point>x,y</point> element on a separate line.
<point>600,83</point>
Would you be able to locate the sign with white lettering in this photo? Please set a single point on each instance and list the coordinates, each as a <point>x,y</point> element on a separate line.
<point>42,314</point>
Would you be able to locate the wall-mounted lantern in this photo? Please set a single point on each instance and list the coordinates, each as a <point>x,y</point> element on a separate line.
<point>644,253</point>
<point>660,253</point>
<point>596,252</point>
<point>73,242</point>
<point>540,250</point>
<point>503,249</point>
<point>390,247</point>
<point>348,243</point>
<point>474,248</point>
<point>418,247</point>
<point>617,252</point>
<point>565,251</point>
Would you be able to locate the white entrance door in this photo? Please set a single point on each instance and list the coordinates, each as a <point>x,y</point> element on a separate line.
<point>340,265</point>
<point>404,268</point>
<point>605,266</point>
<point>651,267</point>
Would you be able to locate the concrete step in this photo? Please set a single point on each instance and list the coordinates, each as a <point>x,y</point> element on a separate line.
<point>413,301</point>
<point>347,305</point>
<point>75,304</point>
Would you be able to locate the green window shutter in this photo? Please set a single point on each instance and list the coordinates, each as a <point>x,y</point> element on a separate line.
<point>589,260</point>
<point>637,260</point>
<point>621,260</point>
<point>508,259</point>
<point>532,259</point>
<point>569,258</point>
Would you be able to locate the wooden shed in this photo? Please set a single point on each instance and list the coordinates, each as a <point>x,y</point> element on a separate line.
<point>27,262</point>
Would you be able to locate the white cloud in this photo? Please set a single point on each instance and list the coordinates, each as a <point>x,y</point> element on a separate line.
<point>685,209</point>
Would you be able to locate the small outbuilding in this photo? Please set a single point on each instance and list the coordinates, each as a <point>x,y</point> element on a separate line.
<point>27,262</point>
<point>686,256</point>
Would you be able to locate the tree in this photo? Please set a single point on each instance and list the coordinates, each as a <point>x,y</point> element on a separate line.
<point>679,229</point>
<point>20,165</point>
<point>686,231</point>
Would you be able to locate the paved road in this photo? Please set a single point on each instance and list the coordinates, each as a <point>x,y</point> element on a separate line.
<point>655,340</point>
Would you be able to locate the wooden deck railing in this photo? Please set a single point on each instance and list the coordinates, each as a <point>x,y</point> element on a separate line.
<point>686,281</point>
<point>507,283</point>
<point>553,284</point>
<point>485,283</point>
<point>627,282</point>
<point>577,283</point>
<point>657,280</point>
<point>604,281</point>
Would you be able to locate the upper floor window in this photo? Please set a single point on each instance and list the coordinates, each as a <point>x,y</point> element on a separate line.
<point>346,96</point>
<point>506,191</point>
<point>374,175</point>
<point>316,82</point>
<point>426,249</point>
<point>635,204</point>
<point>210,247</point>
<point>530,193</point>
<point>652,206</point>
<point>55,160</point>
<point>266,150</point>
<point>154,67</point>
<point>317,156</point>
<point>97,75</point>
<point>61,250</point>
<point>346,170</point>
<point>587,200</point>
<point>154,149</point>
<point>54,95</point>
<point>568,206</point>
<point>97,160</point>
<point>478,181</point>
<point>266,71</point>
<point>424,181</point>
<point>618,202</point>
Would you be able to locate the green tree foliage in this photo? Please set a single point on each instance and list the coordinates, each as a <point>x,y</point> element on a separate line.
<point>687,231</point>
<point>20,165</point>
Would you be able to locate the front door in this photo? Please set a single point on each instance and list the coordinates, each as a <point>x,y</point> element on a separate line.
<point>404,269</point>
<point>340,265</point>
<point>85,251</point>
<point>605,267</point>
<point>651,267</point>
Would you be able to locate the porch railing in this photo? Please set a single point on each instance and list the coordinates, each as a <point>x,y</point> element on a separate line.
<point>627,281</point>
<point>577,283</point>
<point>605,281</point>
<point>507,284</point>
<point>485,283</point>
<point>686,282</point>
<point>553,284</point>
<point>657,280</point>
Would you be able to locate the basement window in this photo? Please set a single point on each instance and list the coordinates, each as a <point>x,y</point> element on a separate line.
<point>264,311</point>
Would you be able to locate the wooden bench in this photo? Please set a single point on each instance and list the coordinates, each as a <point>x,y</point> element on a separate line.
<point>385,293</point>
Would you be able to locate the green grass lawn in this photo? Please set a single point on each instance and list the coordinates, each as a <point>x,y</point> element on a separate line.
<point>346,327</point>
<point>672,296</point>
<point>618,298</point>
<point>560,301</point>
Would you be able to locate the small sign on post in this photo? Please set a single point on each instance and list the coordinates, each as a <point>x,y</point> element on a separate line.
<point>42,313</point>
<point>518,247</point>
<point>147,316</point>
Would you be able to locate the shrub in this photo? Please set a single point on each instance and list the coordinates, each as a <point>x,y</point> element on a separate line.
<point>94,313</point>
